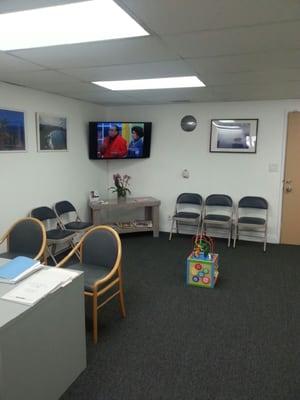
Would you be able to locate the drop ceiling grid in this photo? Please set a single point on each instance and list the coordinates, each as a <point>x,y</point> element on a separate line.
<point>237,54</point>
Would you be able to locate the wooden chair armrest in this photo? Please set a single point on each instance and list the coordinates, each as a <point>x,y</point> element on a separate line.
<point>68,256</point>
<point>107,277</point>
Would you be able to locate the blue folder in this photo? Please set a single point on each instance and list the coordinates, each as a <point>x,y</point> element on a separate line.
<point>12,269</point>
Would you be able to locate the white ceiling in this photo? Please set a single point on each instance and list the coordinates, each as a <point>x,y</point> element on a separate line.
<point>241,49</point>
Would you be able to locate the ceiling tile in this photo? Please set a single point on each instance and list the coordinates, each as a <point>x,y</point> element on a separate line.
<point>282,90</point>
<point>132,71</point>
<point>231,78</point>
<point>235,41</point>
<point>113,52</point>
<point>17,5</point>
<point>168,16</point>
<point>106,98</point>
<point>9,63</point>
<point>247,62</point>
<point>175,95</point>
<point>43,80</point>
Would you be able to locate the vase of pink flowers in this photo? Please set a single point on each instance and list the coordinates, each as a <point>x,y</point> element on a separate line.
<point>121,186</point>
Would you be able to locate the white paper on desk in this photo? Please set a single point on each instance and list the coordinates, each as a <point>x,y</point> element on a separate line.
<point>37,286</point>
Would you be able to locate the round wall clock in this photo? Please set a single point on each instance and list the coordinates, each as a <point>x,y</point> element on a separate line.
<point>188,123</point>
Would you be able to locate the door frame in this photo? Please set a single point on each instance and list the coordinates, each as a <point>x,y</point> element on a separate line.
<point>282,170</point>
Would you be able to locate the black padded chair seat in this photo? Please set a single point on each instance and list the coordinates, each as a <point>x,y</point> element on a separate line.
<point>186,215</point>
<point>58,234</point>
<point>252,220</point>
<point>91,274</point>
<point>78,225</point>
<point>217,217</point>
<point>10,255</point>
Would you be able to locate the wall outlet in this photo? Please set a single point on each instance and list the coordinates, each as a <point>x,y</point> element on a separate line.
<point>169,217</point>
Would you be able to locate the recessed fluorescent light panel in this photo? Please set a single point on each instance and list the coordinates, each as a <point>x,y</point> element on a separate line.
<point>157,83</point>
<point>86,21</point>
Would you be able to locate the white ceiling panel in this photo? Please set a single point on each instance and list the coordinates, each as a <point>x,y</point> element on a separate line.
<point>281,90</point>
<point>132,71</point>
<point>235,41</point>
<point>232,78</point>
<point>175,95</point>
<point>9,63</point>
<point>169,16</point>
<point>247,62</point>
<point>112,52</point>
<point>47,80</point>
<point>17,5</point>
<point>106,98</point>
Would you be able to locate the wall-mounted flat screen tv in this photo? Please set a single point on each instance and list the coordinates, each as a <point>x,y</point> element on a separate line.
<point>119,140</point>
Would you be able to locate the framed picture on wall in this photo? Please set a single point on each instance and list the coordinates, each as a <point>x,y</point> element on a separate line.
<point>233,135</point>
<point>12,131</point>
<point>51,132</point>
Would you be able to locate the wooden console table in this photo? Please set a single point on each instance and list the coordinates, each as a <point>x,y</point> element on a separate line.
<point>149,204</point>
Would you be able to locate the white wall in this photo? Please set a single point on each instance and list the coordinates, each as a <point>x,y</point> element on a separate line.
<point>32,178</point>
<point>235,174</point>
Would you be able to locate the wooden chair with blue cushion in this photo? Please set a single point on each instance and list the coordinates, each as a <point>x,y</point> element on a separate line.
<point>252,215</point>
<point>26,237</point>
<point>100,259</point>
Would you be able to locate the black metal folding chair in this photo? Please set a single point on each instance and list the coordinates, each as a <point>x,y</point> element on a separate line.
<point>55,235</point>
<point>218,213</point>
<point>69,219</point>
<point>257,220</point>
<point>188,211</point>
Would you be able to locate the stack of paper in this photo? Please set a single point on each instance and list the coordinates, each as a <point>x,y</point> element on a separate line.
<point>18,268</point>
<point>39,285</point>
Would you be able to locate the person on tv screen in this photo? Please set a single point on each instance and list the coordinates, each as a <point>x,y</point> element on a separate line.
<point>114,145</point>
<point>135,148</point>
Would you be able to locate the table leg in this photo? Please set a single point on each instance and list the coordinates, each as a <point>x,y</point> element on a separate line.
<point>148,213</point>
<point>155,221</point>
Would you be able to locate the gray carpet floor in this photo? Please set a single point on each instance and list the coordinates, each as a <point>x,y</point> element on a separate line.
<point>238,341</point>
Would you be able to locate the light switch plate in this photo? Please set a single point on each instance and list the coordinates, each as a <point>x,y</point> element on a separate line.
<point>273,167</point>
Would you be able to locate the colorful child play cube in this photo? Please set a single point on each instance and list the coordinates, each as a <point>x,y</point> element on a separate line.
<point>202,270</point>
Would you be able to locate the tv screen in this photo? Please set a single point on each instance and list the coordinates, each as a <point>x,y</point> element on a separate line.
<point>119,140</point>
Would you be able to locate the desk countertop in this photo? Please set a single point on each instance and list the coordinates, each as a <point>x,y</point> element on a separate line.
<point>10,310</point>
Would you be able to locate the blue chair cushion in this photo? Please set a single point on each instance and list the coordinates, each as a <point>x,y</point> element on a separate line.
<point>78,225</point>
<point>58,234</point>
<point>187,215</point>
<point>252,220</point>
<point>91,274</point>
<point>217,217</point>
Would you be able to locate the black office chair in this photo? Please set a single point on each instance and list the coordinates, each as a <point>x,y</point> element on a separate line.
<point>68,217</point>
<point>55,235</point>
<point>188,211</point>
<point>218,213</point>
<point>26,237</point>
<point>257,221</point>
<point>100,259</point>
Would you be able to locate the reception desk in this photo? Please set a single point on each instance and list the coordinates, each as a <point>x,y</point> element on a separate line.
<point>42,347</point>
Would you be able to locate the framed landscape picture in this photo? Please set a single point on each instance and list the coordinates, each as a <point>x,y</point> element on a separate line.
<point>233,135</point>
<point>12,131</point>
<point>51,132</point>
